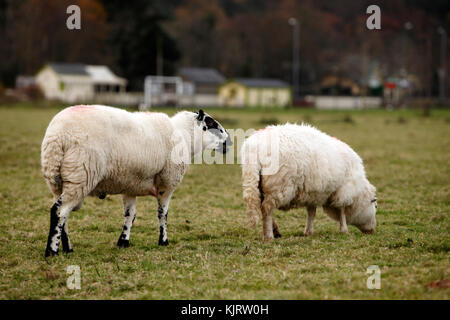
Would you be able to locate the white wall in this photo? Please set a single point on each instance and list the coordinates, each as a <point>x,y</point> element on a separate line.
<point>341,103</point>
<point>48,81</point>
<point>77,89</point>
<point>120,98</point>
<point>207,100</point>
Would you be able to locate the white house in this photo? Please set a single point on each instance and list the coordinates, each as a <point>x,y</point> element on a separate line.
<point>77,82</point>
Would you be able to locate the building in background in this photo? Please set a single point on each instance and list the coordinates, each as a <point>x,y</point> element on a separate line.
<point>23,81</point>
<point>398,91</point>
<point>254,92</point>
<point>201,80</point>
<point>77,82</point>
<point>335,85</point>
<point>200,86</point>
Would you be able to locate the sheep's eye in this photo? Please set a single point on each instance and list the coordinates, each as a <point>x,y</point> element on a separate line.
<point>204,128</point>
<point>221,131</point>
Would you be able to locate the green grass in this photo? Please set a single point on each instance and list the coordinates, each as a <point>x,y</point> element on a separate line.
<point>212,254</point>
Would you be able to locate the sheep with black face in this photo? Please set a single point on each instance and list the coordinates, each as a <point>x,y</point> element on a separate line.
<point>99,150</point>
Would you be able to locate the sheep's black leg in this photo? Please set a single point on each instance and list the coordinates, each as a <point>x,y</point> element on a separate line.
<point>51,248</point>
<point>162,217</point>
<point>59,214</point>
<point>163,208</point>
<point>129,207</point>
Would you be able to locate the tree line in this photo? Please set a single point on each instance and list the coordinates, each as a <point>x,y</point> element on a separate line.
<point>240,38</point>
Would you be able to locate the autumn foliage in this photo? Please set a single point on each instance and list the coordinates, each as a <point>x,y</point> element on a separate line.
<point>238,37</point>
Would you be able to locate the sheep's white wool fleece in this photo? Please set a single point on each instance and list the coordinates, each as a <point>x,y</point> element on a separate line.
<point>109,149</point>
<point>314,169</point>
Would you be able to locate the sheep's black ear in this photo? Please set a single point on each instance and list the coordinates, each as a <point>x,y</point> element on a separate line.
<point>201,115</point>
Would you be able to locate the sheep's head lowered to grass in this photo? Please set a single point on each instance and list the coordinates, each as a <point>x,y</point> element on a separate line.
<point>213,135</point>
<point>364,210</point>
<point>314,170</point>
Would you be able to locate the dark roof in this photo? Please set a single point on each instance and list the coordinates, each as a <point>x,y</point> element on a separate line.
<point>262,82</point>
<point>69,68</point>
<point>202,75</point>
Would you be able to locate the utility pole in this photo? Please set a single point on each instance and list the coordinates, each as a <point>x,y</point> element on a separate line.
<point>429,80</point>
<point>295,56</point>
<point>442,69</point>
<point>159,55</point>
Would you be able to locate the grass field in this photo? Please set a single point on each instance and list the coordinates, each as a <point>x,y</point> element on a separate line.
<point>212,254</point>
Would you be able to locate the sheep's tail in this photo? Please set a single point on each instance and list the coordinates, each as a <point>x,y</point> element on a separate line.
<point>252,191</point>
<point>52,155</point>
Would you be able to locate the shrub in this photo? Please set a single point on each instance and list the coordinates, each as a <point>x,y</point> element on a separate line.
<point>32,92</point>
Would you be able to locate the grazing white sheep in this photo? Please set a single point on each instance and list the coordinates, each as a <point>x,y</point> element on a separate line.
<point>99,150</point>
<point>290,166</point>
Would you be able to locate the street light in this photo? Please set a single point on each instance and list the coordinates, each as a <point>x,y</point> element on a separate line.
<point>295,56</point>
<point>409,26</point>
<point>442,69</point>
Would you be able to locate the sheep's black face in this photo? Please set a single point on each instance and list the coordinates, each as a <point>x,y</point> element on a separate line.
<point>214,135</point>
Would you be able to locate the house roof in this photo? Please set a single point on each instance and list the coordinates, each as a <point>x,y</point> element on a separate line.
<point>102,74</point>
<point>69,68</point>
<point>202,75</point>
<point>262,82</point>
<point>96,74</point>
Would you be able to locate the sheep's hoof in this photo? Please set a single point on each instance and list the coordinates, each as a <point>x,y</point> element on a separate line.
<point>309,233</point>
<point>163,243</point>
<point>50,252</point>
<point>68,250</point>
<point>123,243</point>
<point>268,239</point>
<point>277,234</point>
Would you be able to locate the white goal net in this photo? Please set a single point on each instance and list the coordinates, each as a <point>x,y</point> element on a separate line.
<point>164,91</point>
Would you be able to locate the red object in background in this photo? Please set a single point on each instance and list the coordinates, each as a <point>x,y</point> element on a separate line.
<point>390,85</point>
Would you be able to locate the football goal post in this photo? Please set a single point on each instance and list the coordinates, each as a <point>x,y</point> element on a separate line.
<point>163,91</point>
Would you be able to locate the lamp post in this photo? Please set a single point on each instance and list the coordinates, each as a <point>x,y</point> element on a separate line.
<point>408,26</point>
<point>442,69</point>
<point>295,56</point>
<point>408,90</point>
